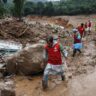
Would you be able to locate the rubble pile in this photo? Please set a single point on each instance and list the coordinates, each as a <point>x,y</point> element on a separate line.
<point>59,21</point>
<point>94,39</point>
<point>29,61</point>
<point>30,31</point>
<point>13,30</point>
<point>7,88</point>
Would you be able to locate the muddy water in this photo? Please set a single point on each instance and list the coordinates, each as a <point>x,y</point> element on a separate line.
<point>83,85</point>
<point>80,85</point>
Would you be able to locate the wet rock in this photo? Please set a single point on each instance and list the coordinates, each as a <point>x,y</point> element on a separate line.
<point>84,64</point>
<point>70,76</point>
<point>7,93</point>
<point>94,57</point>
<point>26,62</point>
<point>1,75</point>
<point>7,88</point>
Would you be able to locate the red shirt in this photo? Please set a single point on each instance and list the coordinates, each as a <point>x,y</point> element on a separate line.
<point>76,40</point>
<point>81,30</point>
<point>54,54</point>
<point>89,24</point>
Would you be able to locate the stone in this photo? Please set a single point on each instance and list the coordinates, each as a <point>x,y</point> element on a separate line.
<point>26,62</point>
<point>7,88</point>
<point>7,93</point>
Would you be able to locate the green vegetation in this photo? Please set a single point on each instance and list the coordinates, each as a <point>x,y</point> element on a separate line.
<point>5,1</point>
<point>18,8</point>
<point>21,8</point>
<point>2,9</point>
<point>66,7</point>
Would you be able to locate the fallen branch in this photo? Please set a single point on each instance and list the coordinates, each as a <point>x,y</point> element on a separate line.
<point>23,32</point>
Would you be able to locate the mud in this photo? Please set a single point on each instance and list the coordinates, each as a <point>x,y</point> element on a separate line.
<point>83,85</point>
<point>81,73</point>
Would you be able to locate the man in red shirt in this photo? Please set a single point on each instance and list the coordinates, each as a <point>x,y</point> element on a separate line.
<point>81,30</point>
<point>52,56</point>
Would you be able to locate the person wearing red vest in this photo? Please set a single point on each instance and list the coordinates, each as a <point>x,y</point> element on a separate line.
<point>77,42</point>
<point>81,30</point>
<point>52,56</point>
<point>89,26</point>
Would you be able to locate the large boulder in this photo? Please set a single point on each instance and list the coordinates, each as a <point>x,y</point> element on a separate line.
<point>27,61</point>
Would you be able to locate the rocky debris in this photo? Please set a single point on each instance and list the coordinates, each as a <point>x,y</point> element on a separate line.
<point>7,88</point>
<point>30,30</point>
<point>94,39</point>
<point>2,67</point>
<point>7,48</point>
<point>59,21</point>
<point>6,19</point>
<point>28,61</point>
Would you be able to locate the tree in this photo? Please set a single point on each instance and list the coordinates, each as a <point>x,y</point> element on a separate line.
<point>2,10</point>
<point>18,8</point>
<point>29,8</point>
<point>39,8</point>
<point>49,9</point>
<point>5,1</point>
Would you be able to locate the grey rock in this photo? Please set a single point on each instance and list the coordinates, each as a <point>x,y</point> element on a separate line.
<point>26,62</point>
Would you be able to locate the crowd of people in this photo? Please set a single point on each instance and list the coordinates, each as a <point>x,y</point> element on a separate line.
<point>53,49</point>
